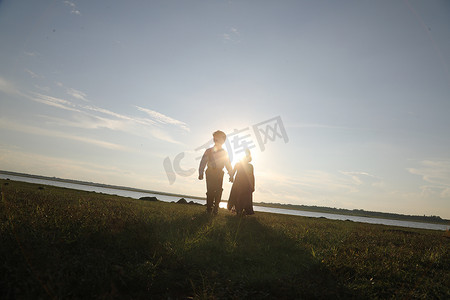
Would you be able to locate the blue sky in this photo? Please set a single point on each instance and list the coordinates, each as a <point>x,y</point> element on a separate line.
<point>106,91</point>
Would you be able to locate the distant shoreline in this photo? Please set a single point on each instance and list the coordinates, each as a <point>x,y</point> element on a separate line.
<point>359,213</point>
<point>319,209</point>
<point>118,187</point>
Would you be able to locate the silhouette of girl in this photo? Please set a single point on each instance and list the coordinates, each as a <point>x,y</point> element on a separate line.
<point>241,195</point>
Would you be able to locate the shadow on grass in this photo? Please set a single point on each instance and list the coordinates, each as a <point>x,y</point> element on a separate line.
<point>62,244</point>
<point>238,257</point>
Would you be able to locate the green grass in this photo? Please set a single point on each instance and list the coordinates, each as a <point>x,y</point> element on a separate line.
<point>62,243</point>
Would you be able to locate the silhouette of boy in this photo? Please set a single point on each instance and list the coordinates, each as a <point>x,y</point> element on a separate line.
<point>215,158</point>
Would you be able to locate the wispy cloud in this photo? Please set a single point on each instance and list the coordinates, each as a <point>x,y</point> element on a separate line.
<point>53,101</point>
<point>83,121</point>
<point>317,125</point>
<point>73,8</point>
<point>8,87</point>
<point>74,93</point>
<point>437,175</point>
<point>15,126</point>
<point>163,119</point>
<point>232,35</point>
<point>42,88</point>
<point>77,94</point>
<point>93,117</point>
<point>107,112</point>
<point>32,74</point>
<point>27,53</point>
<point>360,178</point>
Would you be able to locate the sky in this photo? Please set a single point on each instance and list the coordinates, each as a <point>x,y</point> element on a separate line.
<point>342,103</point>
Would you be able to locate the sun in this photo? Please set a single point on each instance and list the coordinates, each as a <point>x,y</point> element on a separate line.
<point>237,157</point>
<point>256,156</point>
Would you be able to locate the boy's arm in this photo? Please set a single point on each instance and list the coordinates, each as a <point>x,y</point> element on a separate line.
<point>230,170</point>
<point>201,168</point>
<point>228,166</point>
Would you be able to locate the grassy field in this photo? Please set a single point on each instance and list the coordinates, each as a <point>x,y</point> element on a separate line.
<point>62,243</point>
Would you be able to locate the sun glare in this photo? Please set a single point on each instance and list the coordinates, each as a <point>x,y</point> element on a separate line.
<point>256,157</point>
<point>237,157</point>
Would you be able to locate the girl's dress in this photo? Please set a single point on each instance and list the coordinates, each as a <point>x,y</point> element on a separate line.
<point>241,195</point>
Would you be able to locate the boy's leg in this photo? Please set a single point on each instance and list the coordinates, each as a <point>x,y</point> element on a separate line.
<point>218,192</point>
<point>211,188</point>
<point>209,192</point>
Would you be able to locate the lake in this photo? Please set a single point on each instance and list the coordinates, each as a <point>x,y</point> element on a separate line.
<point>137,195</point>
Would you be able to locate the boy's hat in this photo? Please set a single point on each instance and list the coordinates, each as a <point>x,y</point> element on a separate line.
<point>220,134</point>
